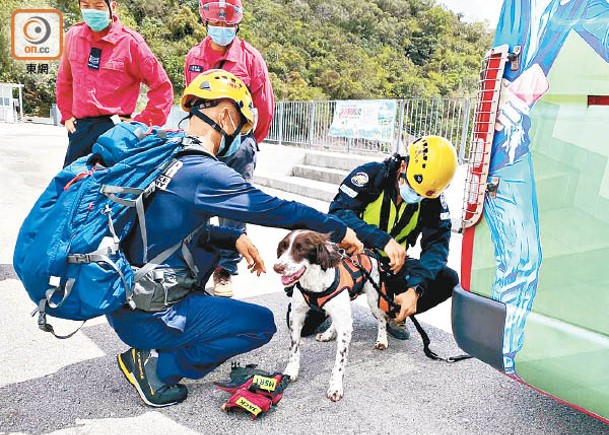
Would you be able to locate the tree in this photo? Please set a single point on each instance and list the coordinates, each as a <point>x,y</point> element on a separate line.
<point>314,49</point>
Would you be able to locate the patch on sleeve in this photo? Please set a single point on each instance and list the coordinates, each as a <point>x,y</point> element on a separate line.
<point>443,202</point>
<point>445,216</point>
<point>195,68</point>
<point>348,191</point>
<point>360,179</point>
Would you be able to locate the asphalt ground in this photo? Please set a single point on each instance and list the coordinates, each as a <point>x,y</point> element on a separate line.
<point>74,386</point>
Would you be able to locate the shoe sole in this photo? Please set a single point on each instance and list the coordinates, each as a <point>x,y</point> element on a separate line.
<point>129,376</point>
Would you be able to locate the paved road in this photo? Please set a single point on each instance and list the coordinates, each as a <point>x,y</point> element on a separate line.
<point>73,386</point>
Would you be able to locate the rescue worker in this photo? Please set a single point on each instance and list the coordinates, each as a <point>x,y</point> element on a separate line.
<point>389,204</point>
<point>99,76</point>
<point>187,333</point>
<point>222,48</point>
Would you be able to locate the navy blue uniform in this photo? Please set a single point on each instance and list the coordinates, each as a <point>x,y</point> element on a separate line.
<point>373,185</point>
<point>200,332</point>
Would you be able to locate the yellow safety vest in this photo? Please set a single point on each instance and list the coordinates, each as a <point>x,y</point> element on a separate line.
<point>384,214</point>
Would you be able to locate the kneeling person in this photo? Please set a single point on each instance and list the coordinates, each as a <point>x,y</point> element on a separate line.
<point>189,333</point>
<point>389,205</point>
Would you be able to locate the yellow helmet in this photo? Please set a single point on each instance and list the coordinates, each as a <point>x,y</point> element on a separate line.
<point>217,84</point>
<point>432,161</point>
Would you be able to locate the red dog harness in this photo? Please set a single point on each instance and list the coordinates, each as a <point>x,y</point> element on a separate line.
<point>349,276</point>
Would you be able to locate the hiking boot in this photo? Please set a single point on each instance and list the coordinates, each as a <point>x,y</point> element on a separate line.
<point>223,284</point>
<point>139,367</point>
<point>398,330</point>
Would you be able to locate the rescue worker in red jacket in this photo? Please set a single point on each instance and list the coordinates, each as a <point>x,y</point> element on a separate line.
<point>223,49</point>
<point>102,68</point>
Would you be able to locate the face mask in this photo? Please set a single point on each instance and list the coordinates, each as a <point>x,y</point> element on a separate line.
<point>95,19</point>
<point>408,195</point>
<point>232,148</point>
<point>222,36</point>
<point>233,145</point>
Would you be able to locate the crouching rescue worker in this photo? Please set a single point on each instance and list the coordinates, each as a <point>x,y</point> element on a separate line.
<point>389,205</point>
<point>178,331</point>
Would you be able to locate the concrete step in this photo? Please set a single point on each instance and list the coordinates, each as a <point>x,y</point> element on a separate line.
<point>327,175</point>
<point>298,185</point>
<point>344,162</point>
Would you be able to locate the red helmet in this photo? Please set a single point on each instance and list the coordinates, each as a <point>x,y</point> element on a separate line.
<point>226,11</point>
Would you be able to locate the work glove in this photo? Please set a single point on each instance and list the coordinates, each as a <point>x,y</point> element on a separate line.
<point>244,399</point>
<point>253,389</point>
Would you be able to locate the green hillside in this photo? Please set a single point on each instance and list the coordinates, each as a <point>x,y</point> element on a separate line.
<point>314,49</point>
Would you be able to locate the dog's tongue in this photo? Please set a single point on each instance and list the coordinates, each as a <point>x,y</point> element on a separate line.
<point>287,280</point>
<point>291,279</point>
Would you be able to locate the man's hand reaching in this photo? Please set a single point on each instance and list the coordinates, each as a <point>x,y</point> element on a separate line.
<point>351,244</point>
<point>396,254</point>
<point>245,247</point>
<point>408,304</point>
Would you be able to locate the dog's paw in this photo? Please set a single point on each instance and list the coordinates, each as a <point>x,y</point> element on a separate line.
<point>380,345</point>
<point>335,394</point>
<point>328,335</point>
<point>291,372</point>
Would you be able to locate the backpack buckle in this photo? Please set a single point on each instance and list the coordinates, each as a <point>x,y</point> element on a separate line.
<point>79,258</point>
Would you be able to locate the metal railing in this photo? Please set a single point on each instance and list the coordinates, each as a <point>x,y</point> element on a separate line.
<point>306,124</point>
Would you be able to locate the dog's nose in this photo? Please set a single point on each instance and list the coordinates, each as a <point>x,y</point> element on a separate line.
<point>279,268</point>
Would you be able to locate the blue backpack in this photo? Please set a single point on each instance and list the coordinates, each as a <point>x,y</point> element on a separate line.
<point>68,253</point>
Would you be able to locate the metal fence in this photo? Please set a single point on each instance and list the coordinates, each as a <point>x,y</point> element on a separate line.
<point>306,123</point>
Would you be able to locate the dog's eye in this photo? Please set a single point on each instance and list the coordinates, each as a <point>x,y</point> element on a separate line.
<point>298,246</point>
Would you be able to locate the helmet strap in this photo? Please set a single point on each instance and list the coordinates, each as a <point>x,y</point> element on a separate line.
<point>206,119</point>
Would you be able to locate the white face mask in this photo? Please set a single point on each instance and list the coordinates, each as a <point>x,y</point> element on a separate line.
<point>408,194</point>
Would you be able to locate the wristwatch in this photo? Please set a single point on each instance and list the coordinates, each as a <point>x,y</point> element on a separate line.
<point>418,289</point>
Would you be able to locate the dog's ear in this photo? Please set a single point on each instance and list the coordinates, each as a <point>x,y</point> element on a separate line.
<point>283,245</point>
<point>327,255</point>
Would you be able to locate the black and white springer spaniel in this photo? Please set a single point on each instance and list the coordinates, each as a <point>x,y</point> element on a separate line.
<point>309,261</point>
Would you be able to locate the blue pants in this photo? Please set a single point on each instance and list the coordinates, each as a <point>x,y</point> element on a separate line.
<point>244,162</point>
<point>82,140</point>
<point>196,335</point>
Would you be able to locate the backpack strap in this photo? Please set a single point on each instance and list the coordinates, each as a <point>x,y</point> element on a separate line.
<point>160,258</point>
<point>46,301</point>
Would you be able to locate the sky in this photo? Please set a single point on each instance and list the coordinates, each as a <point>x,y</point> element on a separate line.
<point>476,10</point>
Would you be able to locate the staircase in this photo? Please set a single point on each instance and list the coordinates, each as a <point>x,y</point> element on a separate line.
<point>314,174</point>
<point>317,174</point>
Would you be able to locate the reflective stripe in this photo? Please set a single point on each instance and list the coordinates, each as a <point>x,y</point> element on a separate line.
<point>383,209</point>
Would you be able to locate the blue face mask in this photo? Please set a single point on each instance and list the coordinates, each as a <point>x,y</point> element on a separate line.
<point>97,20</point>
<point>232,148</point>
<point>222,36</point>
<point>408,195</point>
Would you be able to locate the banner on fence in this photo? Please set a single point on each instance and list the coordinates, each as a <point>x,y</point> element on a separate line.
<point>365,119</point>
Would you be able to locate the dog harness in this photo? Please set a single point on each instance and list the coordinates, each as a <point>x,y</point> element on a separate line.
<point>350,275</point>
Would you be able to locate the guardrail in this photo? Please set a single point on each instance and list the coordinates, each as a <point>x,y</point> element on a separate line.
<point>306,124</point>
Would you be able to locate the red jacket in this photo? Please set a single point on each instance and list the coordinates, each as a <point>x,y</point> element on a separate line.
<point>100,74</point>
<point>246,63</point>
